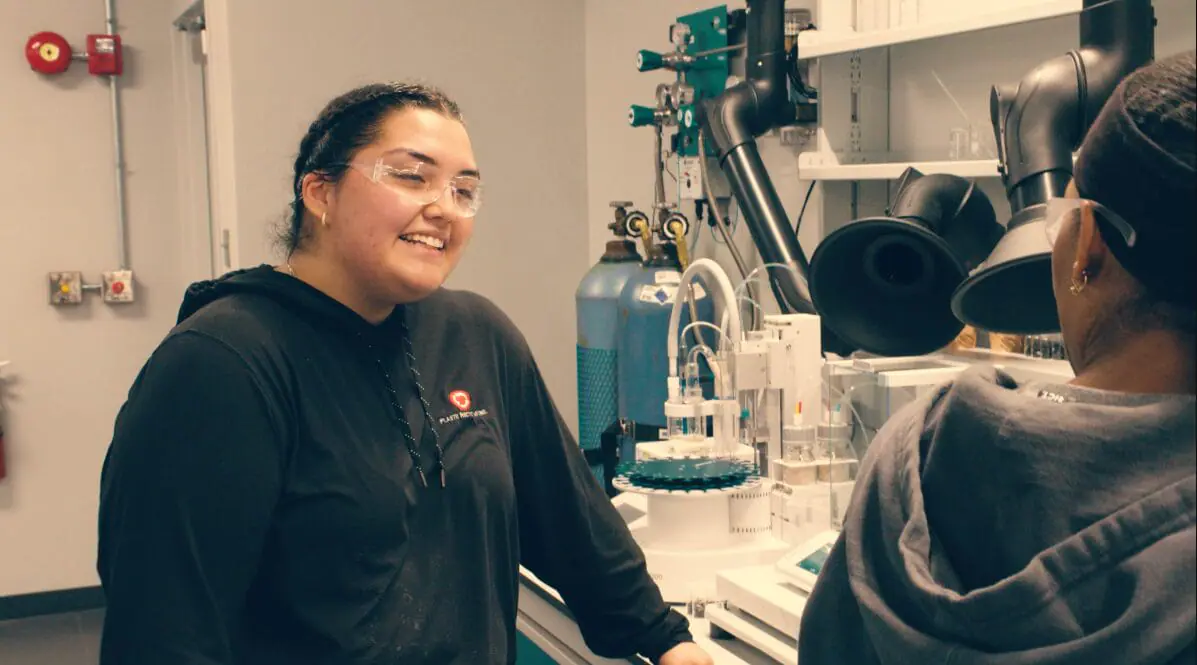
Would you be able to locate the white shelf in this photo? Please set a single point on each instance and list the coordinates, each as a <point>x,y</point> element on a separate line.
<point>883,166</point>
<point>815,44</point>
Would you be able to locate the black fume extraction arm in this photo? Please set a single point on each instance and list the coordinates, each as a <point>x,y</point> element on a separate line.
<point>1038,124</point>
<point>733,121</point>
<point>1042,120</point>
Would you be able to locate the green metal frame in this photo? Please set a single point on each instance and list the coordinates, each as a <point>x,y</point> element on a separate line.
<point>708,76</point>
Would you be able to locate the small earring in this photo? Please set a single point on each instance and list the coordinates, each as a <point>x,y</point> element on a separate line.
<point>324,219</point>
<point>1077,287</point>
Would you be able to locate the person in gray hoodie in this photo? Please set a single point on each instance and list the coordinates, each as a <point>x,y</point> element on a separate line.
<point>995,523</point>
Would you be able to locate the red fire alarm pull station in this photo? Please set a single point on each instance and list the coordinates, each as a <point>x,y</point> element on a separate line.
<point>48,53</point>
<point>104,55</point>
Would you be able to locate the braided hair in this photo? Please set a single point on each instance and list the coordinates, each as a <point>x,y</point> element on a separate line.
<point>347,124</point>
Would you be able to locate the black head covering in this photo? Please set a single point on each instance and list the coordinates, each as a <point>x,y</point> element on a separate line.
<point>1138,160</point>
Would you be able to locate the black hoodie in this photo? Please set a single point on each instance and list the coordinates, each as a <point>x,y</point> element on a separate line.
<point>259,505</point>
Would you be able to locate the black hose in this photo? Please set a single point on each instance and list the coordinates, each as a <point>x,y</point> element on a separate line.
<point>733,121</point>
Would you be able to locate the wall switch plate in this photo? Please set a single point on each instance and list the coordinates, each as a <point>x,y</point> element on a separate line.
<point>66,288</point>
<point>118,286</point>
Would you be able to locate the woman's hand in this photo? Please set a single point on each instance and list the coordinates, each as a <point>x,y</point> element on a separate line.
<point>686,653</point>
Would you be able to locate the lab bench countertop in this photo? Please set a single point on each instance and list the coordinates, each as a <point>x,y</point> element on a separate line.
<point>544,619</point>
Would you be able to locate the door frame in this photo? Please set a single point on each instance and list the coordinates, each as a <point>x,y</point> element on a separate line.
<point>207,185</point>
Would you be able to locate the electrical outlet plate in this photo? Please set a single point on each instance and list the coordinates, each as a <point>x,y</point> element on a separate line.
<point>118,286</point>
<point>689,178</point>
<point>66,288</point>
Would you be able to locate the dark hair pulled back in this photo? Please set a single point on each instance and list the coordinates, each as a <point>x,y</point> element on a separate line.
<point>1139,159</point>
<point>347,124</point>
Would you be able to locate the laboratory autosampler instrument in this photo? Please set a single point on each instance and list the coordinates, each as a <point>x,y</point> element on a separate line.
<point>762,604</point>
<point>738,503</point>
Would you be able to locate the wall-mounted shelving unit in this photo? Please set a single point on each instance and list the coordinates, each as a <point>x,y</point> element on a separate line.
<point>831,41</point>
<point>854,142</point>
<point>826,166</point>
<point>899,95</point>
<point>833,166</point>
<point>862,142</point>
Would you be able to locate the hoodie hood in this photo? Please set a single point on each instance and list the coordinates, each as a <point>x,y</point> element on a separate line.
<point>291,293</point>
<point>994,523</point>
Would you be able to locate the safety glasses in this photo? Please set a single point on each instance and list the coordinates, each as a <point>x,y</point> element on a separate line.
<point>1059,210</point>
<point>423,185</point>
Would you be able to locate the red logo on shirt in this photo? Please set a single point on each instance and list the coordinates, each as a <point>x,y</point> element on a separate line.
<point>460,399</point>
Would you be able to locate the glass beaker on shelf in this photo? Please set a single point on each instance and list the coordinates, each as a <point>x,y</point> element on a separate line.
<point>958,144</point>
<point>964,143</point>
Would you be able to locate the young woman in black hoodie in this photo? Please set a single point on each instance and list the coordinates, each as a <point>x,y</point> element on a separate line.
<point>336,460</point>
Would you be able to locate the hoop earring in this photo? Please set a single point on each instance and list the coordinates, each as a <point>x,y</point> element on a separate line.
<point>324,219</point>
<point>1077,287</point>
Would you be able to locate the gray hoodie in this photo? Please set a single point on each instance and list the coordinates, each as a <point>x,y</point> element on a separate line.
<point>1000,524</point>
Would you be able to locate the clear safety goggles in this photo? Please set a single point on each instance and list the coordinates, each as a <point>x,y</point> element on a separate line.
<point>422,184</point>
<point>1059,210</point>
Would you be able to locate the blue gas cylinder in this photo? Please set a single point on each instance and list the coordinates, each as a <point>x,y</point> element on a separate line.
<point>597,301</point>
<point>643,359</point>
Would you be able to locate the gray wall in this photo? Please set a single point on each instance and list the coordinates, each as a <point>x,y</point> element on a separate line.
<point>71,368</point>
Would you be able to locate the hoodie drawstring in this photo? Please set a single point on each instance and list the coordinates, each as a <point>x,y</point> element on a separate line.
<point>415,378</point>
<point>410,441</point>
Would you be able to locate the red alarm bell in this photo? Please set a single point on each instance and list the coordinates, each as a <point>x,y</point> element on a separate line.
<point>48,53</point>
<point>104,55</point>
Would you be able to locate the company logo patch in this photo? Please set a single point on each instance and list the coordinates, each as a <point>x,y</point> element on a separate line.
<point>461,400</point>
<point>464,403</point>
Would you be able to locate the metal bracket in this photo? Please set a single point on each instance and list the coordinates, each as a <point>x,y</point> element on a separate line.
<point>192,18</point>
<point>855,76</point>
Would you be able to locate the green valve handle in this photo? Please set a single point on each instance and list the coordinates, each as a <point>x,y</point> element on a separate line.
<point>687,116</point>
<point>647,61</point>
<point>639,116</point>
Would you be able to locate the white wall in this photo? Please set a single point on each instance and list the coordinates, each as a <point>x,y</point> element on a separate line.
<point>71,368</point>
<point>516,70</point>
